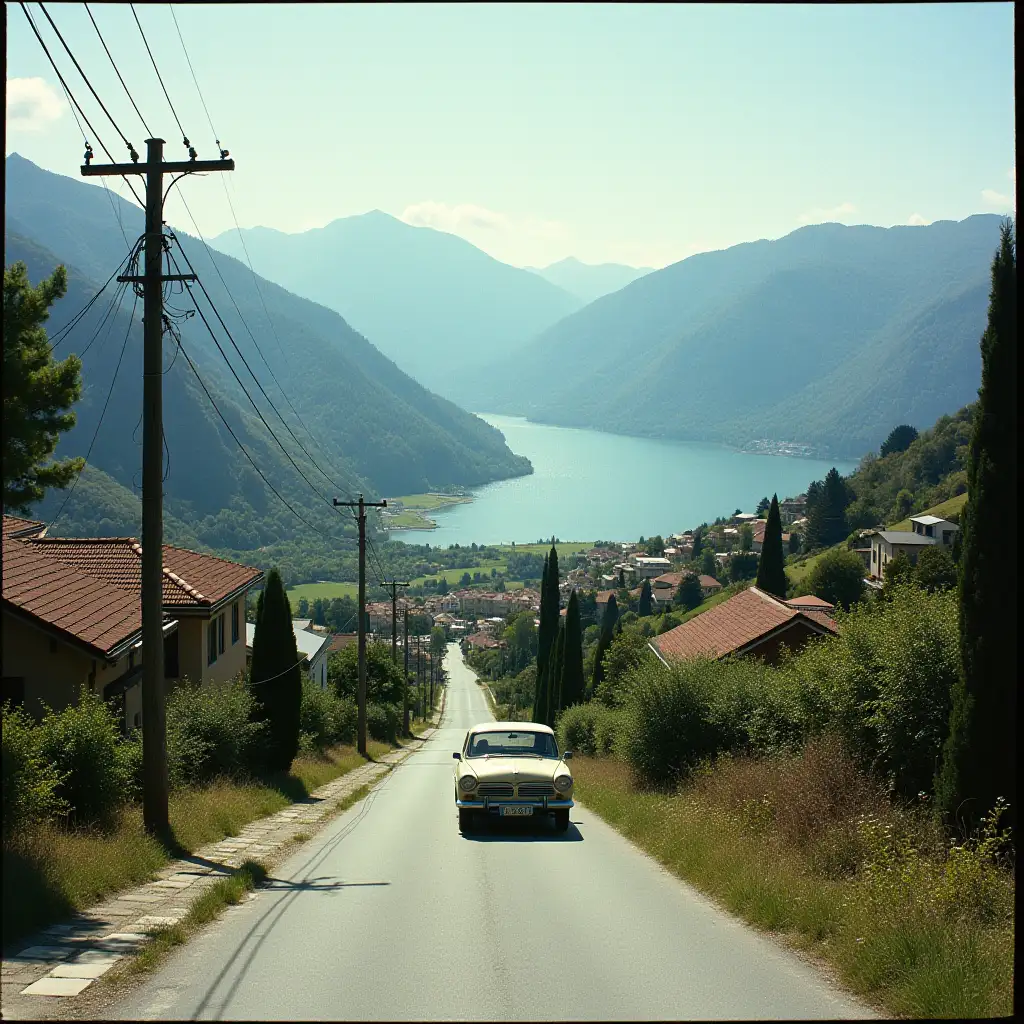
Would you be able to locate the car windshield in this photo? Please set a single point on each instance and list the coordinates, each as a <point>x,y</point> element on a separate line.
<point>512,744</point>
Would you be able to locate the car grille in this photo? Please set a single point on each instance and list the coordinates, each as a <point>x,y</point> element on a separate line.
<point>495,790</point>
<point>536,789</point>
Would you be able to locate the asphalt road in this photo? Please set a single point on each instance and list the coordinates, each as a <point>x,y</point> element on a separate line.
<point>390,914</point>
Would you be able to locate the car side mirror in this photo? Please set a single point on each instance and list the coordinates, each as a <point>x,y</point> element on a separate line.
<point>567,756</point>
<point>457,756</point>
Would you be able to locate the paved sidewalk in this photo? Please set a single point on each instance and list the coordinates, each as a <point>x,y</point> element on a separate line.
<point>64,959</point>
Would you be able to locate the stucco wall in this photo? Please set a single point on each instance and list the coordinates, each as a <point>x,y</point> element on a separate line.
<point>192,648</point>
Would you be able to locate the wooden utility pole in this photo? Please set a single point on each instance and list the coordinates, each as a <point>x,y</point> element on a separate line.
<point>394,585</point>
<point>419,669</point>
<point>361,691</point>
<point>405,688</point>
<point>154,732</point>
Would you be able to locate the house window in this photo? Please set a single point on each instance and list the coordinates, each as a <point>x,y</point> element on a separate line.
<point>234,623</point>
<point>220,634</point>
<point>171,655</point>
<point>211,642</point>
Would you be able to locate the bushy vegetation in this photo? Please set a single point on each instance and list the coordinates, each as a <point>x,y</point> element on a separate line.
<point>589,729</point>
<point>882,685</point>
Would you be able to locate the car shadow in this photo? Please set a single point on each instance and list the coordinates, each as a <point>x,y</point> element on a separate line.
<point>535,831</point>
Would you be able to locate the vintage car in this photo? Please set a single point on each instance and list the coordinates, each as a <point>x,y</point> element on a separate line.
<point>512,770</point>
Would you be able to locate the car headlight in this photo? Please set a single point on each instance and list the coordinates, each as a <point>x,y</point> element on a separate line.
<point>563,783</point>
<point>467,783</point>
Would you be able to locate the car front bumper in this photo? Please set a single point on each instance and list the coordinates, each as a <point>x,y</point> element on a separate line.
<point>539,806</point>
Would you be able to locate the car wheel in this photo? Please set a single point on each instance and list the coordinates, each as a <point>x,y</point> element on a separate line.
<point>561,821</point>
<point>465,820</point>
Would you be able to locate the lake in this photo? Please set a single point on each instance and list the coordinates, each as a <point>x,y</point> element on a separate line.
<point>588,485</point>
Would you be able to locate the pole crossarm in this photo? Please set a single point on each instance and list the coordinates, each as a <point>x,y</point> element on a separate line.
<point>173,167</point>
<point>164,277</point>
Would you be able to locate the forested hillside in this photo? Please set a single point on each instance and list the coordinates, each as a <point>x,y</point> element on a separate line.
<point>825,337</point>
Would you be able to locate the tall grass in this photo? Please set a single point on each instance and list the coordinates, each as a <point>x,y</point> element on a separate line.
<point>806,846</point>
<point>50,871</point>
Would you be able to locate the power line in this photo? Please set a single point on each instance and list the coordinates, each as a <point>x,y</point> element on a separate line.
<point>238,379</point>
<point>114,66</point>
<point>223,152</point>
<point>103,413</point>
<point>255,343</point>
<point>131,149</point>
<point>234,436</point>
<point>245,362</point>
<point>75,103</point>
<point>184,137</point>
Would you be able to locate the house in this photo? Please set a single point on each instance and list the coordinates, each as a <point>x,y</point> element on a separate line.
<point>743,517</point>
<point>709,585</point>
<point>59,591</point>
<point>752,623</point>
<point>205,594</point>
<point>314,650</point>
<point>941,530</point>
<point>648,568</point>
<point>759,528</point>
<point>339,641</point>
<point>792,509</point>
<point>63,629</point>
<point>811,603</point>
<point>887,544</point>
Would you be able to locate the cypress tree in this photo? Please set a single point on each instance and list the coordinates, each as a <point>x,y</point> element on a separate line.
<point>555,676</point>
<point>979,759</point>
<point>573,685</point>
<point>543,647</point>
<point>771,571</point>
<point>604,641</point>
<point>689,594</point>
<point>276,674</point>
<point>644,604</point>
<point>827,519</point>
<point>698,543</point>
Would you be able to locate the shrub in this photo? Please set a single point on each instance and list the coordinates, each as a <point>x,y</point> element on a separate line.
<point>588,729</point>
<point>210,733</point>
<point>325,719</point>
<point>30,782</point>
<point>129,756</point>
<point>628,650</point>
<point>383,721</point>
<point>81,742</point>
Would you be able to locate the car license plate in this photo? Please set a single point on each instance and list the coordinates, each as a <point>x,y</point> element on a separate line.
<point>518,811</point>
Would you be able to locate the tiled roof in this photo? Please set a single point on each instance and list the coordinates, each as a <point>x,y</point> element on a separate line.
<point>341,640</point>
<point>733,625</point>
<point>15,526</point>
<point>191,579</point>
<point>810,601</point>
<point>904,537</point>
<point>668,579</point>
<point>709,581</point>
<point>91,611</point>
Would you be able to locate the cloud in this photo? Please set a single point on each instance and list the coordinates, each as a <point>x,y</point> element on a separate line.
<point>32,104</point>
<point>470,219</point>
<point>822,216</point>
<point>917,220</point>
<point>990,197</point>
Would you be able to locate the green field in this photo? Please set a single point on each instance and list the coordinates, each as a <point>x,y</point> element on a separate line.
<point>426,502</point>
<point>327,591</point>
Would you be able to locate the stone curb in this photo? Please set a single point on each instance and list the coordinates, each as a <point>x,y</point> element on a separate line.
<point>63,960</point>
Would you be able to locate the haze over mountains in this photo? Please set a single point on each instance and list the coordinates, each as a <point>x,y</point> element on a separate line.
<point>589,281</point>
<point>829,337</point>
<point>374,429</point>
<point>434,303</point>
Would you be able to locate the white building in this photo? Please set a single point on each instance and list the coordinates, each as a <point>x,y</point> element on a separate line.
<point>314,650</point>
<point>648,568</point>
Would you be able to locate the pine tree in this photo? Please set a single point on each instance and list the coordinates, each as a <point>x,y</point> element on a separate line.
<point>771,569</point>
<point>38,391</point>
<point>899,440</point>
<point>572,688</point>
<point>979,758</point>
<point>827,518</point>
<point>604,641</point>
<point>644,604</point>
<point>689,594</point>
<point>698,543</point>
<point>276,674</point>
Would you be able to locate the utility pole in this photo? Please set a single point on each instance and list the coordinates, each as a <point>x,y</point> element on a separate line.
<point>394,585</point>
<point>405,688</point>
<point>433,658</point>
<point>154,731</point>
<point>361,692</point>
<point>419,669</point>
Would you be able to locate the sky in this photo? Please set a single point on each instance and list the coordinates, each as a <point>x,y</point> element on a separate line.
<point>628,133</point>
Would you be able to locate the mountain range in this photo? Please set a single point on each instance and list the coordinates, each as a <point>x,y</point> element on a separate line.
<point>589,281</point>
<point>429,300</point>
<point>355,421</point>
<point>828,337</point>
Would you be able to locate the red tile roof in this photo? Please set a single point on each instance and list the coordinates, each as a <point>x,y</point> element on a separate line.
<point>15,526</point>
<point>191,579</point>
<point>340,641</point>
<point>670,579</point>
<point>733,625</point>
<point>94,612</point>
<point>710,581</point>
<point>812,602</point>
